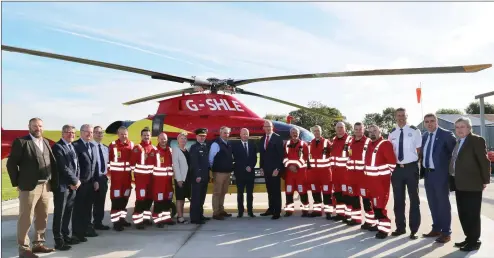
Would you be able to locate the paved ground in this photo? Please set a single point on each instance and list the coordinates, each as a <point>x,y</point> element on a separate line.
<point>262,237</point>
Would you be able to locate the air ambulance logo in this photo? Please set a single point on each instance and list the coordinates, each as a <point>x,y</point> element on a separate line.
<point>119,154</point>
<point>162,159</point>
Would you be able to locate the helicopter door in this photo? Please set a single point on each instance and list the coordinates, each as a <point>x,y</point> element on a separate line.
<point>158,121</point>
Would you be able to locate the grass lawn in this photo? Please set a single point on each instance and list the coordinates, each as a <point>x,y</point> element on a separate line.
<point>8,192</point>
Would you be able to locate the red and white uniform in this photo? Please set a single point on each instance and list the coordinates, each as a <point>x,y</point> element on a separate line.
<point>121,174</point>
<point>380,161</point>
<point>319,173</point>
<point>355,169</point>
<point>339,158</point>
<point>142,164</point>
<point>162,183</point>
<point>296,154</point>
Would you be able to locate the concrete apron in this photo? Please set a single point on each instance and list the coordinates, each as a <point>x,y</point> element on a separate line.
<point>255,237</point>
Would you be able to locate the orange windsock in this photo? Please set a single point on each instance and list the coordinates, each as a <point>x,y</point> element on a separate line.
<point>419,94</point>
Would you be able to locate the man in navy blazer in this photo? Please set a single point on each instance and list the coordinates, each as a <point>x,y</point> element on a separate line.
<point>88,159</point>
<point>271,163</point>
<point>64,195</point>
<point>245,160</point>
<point>437,147</point>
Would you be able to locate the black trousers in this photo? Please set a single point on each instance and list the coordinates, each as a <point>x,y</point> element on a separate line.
<point>199,191</point>
<point>402,179</point>
<point>99,200</point>
<point>81,215</point>
<point>273,187</point>
<point>63,204</point>
<point>248,185</point>
<point>469,207</point>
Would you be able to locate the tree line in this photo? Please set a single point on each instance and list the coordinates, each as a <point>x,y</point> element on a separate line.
<point>385,120</point>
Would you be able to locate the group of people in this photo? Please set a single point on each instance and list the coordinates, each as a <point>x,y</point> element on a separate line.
<point>343,174</point>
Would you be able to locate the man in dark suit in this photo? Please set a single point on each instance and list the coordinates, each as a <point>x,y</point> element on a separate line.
<point>271,163</point>
<point>437,147</point>
<point>64,196</point>
<point>32,168</point>
<point>245,158</point>
<point>199,162</point>
<point>470,171</point>
<point>100,195</point>
<point>89,176</point>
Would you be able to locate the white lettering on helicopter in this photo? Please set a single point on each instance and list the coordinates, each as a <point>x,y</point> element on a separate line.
<point>215,105</point>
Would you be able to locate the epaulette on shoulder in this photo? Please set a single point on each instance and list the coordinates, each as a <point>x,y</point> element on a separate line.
<point>413,127</point>
<point>392,130</point>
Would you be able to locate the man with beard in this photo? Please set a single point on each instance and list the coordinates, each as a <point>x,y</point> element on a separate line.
<point>142,163</point>
<point>380,161</point>
<point>33,170</point>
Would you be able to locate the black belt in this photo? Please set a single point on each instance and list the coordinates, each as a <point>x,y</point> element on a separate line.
<point>429,169</point>
<point>406,165</point>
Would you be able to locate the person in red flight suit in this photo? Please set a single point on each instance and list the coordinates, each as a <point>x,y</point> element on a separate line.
<point>295,162</point>
<point>339,158</point>
<point>380,161</point>
<point>319,174</point>
<point>142,164</point>
<point>162,183</point>
<point>356,178</point>
<point>120,152</point>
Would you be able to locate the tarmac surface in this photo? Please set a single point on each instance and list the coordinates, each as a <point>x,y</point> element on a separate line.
<point>262,237</point>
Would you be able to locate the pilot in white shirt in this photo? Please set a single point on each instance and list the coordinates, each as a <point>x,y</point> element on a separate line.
<point>407,141</point>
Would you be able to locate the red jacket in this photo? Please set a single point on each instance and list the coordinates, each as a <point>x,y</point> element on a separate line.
<point>296,154</point>
<point>319,153</point>
<point>163,163</point>
<point>356,153</point>
<point>141,161</point>
<point>339,151</point>
<point>120,156</point>
<point>380,159</point>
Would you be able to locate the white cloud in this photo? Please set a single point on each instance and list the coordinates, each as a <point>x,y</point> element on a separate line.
<point>240,44</point>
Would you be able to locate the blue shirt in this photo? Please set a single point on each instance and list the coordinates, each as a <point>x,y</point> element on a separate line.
<point>215,148</point>
<point>105,156</point>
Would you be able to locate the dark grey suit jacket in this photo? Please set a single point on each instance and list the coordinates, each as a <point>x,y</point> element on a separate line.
<point>67,167</point>
<point>472,167</point>
<point>22,164</point>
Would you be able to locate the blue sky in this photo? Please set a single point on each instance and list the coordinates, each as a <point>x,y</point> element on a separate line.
<point>239,40</point>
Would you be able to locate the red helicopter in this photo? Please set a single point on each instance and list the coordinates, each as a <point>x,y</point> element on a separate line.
<point>200,105</point>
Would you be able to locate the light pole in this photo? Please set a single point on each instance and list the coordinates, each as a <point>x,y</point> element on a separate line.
<point>482,116</point>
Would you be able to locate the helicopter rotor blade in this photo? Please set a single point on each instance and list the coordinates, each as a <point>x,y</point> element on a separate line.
<point>402,71</point>
<point>163,95</point>
<point>242,91</point>
<point>154,75</point>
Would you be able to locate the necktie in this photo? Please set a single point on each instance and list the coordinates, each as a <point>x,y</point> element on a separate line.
<point>453,159</point>
<point>89,150</point>
<point>74,155</point>
<point>245,148</point>
<point>266,143</point>
<point>400,147</point>
<point>101,160</point>
<point>428,151</point>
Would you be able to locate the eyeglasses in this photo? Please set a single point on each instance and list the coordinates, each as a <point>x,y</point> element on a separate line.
<point>69,132</point>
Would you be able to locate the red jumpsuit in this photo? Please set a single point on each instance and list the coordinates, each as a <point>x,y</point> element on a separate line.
<point>355,168</point>
<point>296,154</point>
<point>142,164</point>
<point>380,161</point>
<point>339,158</point>
<point>162,185</point>
<point>319,175</point>
<point>121,178</point>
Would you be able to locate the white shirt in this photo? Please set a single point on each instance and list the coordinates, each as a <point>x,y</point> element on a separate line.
<point>38,142</point>
<point>431,162</point>
<point>245,145</point>
<point>105,155</point>
<point>412,140</point>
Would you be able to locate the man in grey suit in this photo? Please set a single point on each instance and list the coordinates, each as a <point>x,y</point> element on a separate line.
<point>470,174</point>
<point>33,170</point>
